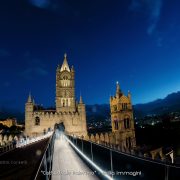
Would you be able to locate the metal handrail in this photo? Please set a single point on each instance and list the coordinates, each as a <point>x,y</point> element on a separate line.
<point>50,146</point>
<point>88,160</point>
<point>130,155</point>
<point>136,157</point>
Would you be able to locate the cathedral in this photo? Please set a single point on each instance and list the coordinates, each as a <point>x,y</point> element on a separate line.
<point>68,111</point>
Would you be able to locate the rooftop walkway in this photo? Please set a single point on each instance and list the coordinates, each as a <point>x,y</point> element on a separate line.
<point>67,165</point>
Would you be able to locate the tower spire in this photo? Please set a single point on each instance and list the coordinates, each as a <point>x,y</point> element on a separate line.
<point>81,101</point>
<point>65,65</point>
<point>29,98</point>
<point>118,91</point>
<point>129,95</point>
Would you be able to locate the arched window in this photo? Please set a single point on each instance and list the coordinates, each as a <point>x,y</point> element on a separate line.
<point>65,81</point>
<point>116,124</point>
<point>124,106</point>
<point>37,121</point>
<point>126,123</point>
<point>63,102</point>
<point>128,142</point>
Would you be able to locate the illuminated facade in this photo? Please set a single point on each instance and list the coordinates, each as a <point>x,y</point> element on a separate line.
<point>69,112</point>
<point>122,119</point>
<point>9,122</point>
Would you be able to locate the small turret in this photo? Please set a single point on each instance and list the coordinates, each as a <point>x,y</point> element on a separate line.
<point>72,72</point>
<point>29,107</point>
<point>29,98</point>
<point>72,69</point>
<point>129,95</point>
<point>58,68</point>
<point>33,101</point>
<point>118,91</point>
<point>76,103</point>
<point>80,101</point>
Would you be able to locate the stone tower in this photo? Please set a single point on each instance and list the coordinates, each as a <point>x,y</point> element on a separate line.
<point>29,108</point>
<point>65,90</point>
<point>122,119</point>
<point>73,115</point>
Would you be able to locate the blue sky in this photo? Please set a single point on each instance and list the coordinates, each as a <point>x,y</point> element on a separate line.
<point>135,42</point>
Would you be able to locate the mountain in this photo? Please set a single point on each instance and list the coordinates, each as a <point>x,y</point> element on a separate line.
<point>170,103</point>
<point>98,112</point>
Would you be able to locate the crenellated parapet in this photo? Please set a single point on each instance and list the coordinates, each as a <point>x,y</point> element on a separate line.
<point>54,115</point>
<point>6,139</point>
<point>110,139</point>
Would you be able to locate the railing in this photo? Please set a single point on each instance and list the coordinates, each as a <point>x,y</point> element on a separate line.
<point>120,165</point>
<point>18,142</point>
<point>46,162</point>
<point>8,147</point>
<point>24,142</point>
<point>97,169</point>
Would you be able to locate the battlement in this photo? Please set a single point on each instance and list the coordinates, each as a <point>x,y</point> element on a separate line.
<point>54,113</point>
<point>113,139</point>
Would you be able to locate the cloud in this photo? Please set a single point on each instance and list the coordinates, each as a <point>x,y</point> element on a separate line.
<point>150,7</point>
<point>155,12</point>
<point>135,5</point>
<point>40,3</point>
<point>33,66</point>
<point>4,52</point>
<point>29,73</point>
<point>7,84</point>
<point>56,6</point>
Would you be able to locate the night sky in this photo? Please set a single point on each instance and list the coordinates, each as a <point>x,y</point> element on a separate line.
<point>135,42</point>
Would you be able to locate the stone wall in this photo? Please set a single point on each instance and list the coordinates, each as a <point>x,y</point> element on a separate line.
<point>7,139</point>
<point>113,141</point>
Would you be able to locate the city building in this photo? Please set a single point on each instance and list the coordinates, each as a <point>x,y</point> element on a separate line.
<point>9,122</point>
<point>68,111</point>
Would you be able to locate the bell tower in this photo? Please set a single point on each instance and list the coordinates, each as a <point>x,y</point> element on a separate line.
<point>65,90</point>
<point>122,118</point>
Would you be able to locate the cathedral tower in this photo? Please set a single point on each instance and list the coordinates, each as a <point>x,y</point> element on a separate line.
<point>65,90</point>
<point>39,120</point>
<point>122,118</point>
<point>29,108</point>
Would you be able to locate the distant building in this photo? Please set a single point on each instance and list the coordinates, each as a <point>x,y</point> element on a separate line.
<point>122,119</point>
<point>8,122</point>
<point>68,111</point>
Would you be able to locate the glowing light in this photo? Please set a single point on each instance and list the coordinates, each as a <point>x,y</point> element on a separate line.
<point>38,152</point>
<point>89,161</point>
<point>32,140</point>
<point>152,123</point>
